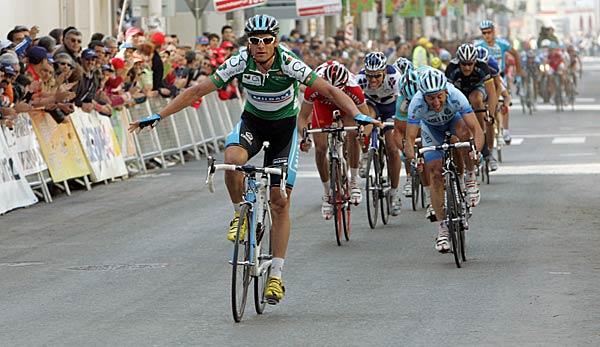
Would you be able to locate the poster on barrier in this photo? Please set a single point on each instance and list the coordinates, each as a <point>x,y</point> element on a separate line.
<point>23,144</point>
<point>15,191</point>
<point>120,122</point>
<point>99,144</point>
<point>60,147</point>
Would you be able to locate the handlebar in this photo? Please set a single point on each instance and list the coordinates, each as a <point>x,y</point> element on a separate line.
<point>446,146</point>
<point>246,169</point>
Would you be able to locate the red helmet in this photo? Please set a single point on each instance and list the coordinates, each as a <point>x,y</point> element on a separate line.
<point>334,73</point>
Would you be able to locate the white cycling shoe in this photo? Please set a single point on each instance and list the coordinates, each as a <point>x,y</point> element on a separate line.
<point>355,194</point>
<point>326,208</point>
<point>442,243</point>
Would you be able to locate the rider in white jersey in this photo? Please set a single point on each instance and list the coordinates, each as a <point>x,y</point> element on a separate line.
<point>437,108</point>
<point>380,83</point>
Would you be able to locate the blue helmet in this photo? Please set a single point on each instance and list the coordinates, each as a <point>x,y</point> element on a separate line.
<point>410,84</point>
<point>262,24</point>
<point>483,54</point>
<point>375,61</point>
<point>432,81</point>
<point>486,24</point>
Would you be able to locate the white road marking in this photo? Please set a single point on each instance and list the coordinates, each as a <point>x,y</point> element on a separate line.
<point>577,154</point>
<point>558,169</point>
<point>516,141</point>
<point>568,140</point>
<point>504,170</point>
<point>544,136</point>
<point>578,107</point>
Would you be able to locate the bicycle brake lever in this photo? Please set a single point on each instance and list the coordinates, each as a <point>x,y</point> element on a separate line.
<point>210,174</point>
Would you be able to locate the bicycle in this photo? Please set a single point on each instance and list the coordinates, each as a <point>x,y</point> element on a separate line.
<point>483,168</point>
<point>339,196</point>
<point>418,191</point>
<point>558,97</point>
<point>456,208</point>
<point>251,257</point>
<point>377,184</point>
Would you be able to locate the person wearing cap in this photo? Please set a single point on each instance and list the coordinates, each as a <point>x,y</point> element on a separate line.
<point>420,56</point>
<point>202,44</point>
<point>134,35</point>
<point>90,80</point>
<point>37,58</point>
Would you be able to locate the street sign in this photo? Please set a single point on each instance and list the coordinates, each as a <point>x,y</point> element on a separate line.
<point>309,8</point>
<point>232,5</point>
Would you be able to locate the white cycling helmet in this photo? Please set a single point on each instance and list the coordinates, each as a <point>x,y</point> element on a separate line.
<point>262,23</point>
<point>375,61</point>
<point>486,24</point>
<point>432,81</point>
<point>403,65</point>
<point>466,53</point>
<point>334,73</point>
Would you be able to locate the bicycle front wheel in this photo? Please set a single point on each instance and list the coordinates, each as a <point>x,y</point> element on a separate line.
<point>240,266</point>
<point>263,240</point>
<point>383,184</point>
<point>336,199</point>
<point>371,189</point>
<point>452,216</point>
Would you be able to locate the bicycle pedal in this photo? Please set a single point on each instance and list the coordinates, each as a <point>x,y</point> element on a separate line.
<point>272,301</point>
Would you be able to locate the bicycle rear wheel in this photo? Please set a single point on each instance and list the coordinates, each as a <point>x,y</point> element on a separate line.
<point>383,184</point>
<point>415,183</point>
<point>336,199</point>
<point>240,271</point>
<point>451,210</point>
<point>422,189</point>
<point>371,189</point>
<point>263,239</point>
<point>346,206</point>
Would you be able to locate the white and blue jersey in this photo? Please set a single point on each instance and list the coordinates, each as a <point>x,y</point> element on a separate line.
<point>382,99</point>
<point>435,124</point>
<point>497,50</point>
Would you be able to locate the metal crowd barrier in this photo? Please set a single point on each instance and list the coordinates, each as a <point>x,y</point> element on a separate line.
<point>192,132</point>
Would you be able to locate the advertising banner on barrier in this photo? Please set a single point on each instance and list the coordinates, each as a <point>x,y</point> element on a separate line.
<point>99,144</point>
<point>23,144</point>
<point>15,191</point>
<point>309,8</point>
<point>60,147</point>
<point>120,122</point>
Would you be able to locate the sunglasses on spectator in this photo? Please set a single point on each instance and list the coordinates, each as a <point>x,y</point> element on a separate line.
<point>485,32</point>
<point>75,40</point>
<point>372,76</point>
<point>64,64</point>
<point>467,63</point>
<point>257,40</point>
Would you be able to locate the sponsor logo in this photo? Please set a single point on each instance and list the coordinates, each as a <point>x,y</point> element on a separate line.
<point>272,98</point>
<point>299,66</point>
<point>248,137</point>
<point>279,161</point>
<point>254,80</point>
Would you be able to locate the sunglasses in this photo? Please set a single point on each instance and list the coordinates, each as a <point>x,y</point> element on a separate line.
<point>65,64</point>
<point>485,32</point>
<point>257,40</point>
<point>467,64</point>
<point>372,76</point>
<point>75,40</point>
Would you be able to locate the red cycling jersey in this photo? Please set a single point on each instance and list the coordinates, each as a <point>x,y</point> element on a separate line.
<point>323,108</point>
<point>555,59</point>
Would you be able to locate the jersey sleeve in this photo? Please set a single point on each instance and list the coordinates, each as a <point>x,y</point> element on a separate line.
<point>493,66</point>
<point>310,95</point>
<point>356,94</point>
<point>292,66</point>
<point>459,102</point>
<point>415,108</point>
<point>401,108</point>
<point>232,67</point>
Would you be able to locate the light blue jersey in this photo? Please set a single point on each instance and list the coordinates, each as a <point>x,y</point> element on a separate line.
<point>498,50</point>
<point>456,105</point>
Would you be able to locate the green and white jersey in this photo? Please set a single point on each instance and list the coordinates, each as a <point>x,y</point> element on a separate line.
<point>270,96</point>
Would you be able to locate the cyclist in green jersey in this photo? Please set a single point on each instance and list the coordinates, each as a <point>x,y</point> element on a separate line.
<point>269,74</point>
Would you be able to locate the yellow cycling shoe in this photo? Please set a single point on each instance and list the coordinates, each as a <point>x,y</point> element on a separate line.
<point>233,226</point>
<point>274,291</point>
